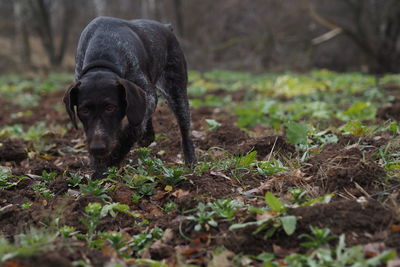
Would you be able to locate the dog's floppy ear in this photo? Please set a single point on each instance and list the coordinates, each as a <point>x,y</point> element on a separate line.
<point>71,100</point>
<point>135,98</point>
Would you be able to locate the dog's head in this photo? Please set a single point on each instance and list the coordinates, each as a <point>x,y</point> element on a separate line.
<point>101,100</point>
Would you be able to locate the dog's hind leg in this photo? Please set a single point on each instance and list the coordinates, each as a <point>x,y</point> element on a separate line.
<point>173,86</point>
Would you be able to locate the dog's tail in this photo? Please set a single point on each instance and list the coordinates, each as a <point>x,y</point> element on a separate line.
<point>169,26</point>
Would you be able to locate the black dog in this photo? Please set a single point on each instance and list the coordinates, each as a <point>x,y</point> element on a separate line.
<point>119,66</point>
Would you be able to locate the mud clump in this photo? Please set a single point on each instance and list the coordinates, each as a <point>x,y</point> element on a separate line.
<point>211,185</point>
<point>224,137</point>
<point>12,150</point>
<point>335,168</point>
<point>390,111</point>
<point>265,146</point>
<point>360,222</point>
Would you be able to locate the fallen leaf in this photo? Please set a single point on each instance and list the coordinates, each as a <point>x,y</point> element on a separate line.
<point>11,264</point>
<point>223,259</point>
<point>265,215</point>
<point>168,188</point>
<point>190,251</point>
<point>374,249</point>
<point>394,263</point>
<point>395,228</point>
<point>220,174</point>
<point>159,195</point>
<point>180,193</point>
<point>168,235</point>
<point>265,186</point>
<point>283,252</point>
<point>153,210</point>
<point>109,252</point>
<point>198,134</point>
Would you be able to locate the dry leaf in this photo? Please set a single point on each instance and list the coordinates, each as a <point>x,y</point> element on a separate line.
<point>283,252</point>
<point>395,228</point>
<point>220,174</point>
<point>180,193</point>
<point>374,249</point>
<point>223,259</point>
<point>109,252</point>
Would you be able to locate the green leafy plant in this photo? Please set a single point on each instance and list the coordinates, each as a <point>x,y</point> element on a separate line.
<point>74,179</point>
<point>95,188</point>
<point>91,221</point>
<point>270,167</point>
<point>67,231</point>
<point>7,179</point>
<point>212,124</point>
<point>94,212</point>
<point>275,219</point>
<point>296,133</point>
<point>225,208</point>
<point>340,256</point>
<point>170,206</point>
<point>26,205</point>
<point>318,237</point>
<point>116,240</point>
<point>203,218</point>
<point>145,239</point>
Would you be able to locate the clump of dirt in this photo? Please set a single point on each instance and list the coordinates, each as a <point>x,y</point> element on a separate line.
<point>336,168</point>
<point>13,150</point>
<point>225,137</point>
<point>266,145</point>
<point>360,222</point>
<point>216,186</point>
<point>390,111</point>
<point>391,89</point>
<point>61,257</point>
<point>38,165</point>
<point>59,186</point>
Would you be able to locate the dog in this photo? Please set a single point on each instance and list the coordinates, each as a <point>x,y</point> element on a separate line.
<point>120,66</point>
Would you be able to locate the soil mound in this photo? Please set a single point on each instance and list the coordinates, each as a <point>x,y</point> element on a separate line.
<point>336,168</point>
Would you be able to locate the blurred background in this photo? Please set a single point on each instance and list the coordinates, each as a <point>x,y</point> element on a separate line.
<point>245,35</point>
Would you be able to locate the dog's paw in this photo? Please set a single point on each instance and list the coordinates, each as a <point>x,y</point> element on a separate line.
<point>98,175</point>
<point>146,140</point>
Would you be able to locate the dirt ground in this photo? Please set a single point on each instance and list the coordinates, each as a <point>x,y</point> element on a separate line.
<point>341,168</point>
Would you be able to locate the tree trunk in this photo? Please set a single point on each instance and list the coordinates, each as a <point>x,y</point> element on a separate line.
<point>179,16</point>
<point>41,20</point>
<point>22,33</point>
<point>100,7</point>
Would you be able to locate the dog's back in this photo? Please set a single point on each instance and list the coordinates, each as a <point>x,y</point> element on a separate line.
<point>129,45</point>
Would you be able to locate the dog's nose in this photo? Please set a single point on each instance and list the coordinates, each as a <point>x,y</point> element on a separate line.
<point>97,148</point>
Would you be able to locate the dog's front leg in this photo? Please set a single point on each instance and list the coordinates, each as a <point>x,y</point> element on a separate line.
<point>100,167</point>
<point>126,139</point>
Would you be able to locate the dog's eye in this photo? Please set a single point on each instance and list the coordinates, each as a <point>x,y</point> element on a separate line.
<point>83,111</point>
<point>110,108</point>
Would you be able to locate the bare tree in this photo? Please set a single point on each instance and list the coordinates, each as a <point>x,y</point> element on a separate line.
<point>373,26</point>
<point>100,7</point>
<point>22,32</point>
<point>150,9</point>
<point>178,6</point>
<point>42,22</point>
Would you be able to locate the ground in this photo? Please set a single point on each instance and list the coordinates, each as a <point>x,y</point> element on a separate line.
<point>279,155</point>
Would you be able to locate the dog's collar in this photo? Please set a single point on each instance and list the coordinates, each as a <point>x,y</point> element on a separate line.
<point>103,64</point>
